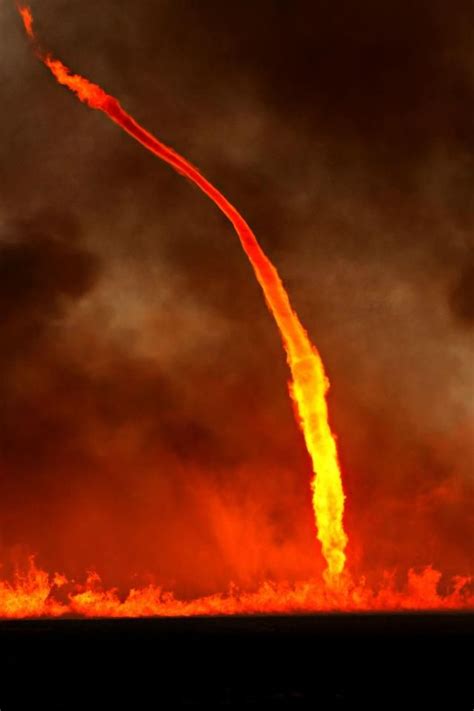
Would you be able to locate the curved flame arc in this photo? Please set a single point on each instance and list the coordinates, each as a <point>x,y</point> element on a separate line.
<point>309,383</point>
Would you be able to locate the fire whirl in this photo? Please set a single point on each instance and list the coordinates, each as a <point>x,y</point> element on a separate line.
<point>33,593</point>
<point>309,383</point>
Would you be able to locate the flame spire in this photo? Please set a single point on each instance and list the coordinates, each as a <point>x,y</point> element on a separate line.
<point>309,383</point>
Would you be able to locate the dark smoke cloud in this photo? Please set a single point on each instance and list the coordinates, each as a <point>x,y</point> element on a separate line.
<point>462,295</point>
<point>39,276</point>
<point>145,425</point>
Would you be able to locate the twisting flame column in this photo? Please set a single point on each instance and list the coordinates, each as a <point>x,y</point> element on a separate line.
<point>309,383</point>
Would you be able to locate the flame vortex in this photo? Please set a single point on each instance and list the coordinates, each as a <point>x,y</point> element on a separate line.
<point>309,383</point>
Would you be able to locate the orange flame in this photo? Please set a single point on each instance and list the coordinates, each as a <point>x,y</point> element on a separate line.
<point>86,91</point>
<point>27,18</point>
<point>309,383</point>
<point>32,594</point>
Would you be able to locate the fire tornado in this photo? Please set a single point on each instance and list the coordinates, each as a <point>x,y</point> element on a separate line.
<point>309,383</point>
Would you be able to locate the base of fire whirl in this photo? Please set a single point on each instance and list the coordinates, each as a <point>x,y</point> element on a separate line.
<point>330,661</point>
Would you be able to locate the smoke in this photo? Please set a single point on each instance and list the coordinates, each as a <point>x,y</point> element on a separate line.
<point>462,295</point>
<point>105,459</point>
<point>345,140</point>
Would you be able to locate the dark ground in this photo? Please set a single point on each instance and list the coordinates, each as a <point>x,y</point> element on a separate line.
<point>419,661</point>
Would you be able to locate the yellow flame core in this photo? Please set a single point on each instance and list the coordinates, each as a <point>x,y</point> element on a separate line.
<point>308,388</point>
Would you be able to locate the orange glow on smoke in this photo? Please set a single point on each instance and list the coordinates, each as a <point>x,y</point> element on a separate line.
<point>34,593</point>
<point>309,383</point>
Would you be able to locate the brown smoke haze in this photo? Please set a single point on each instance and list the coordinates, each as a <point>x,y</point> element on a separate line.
<point>145,426</point>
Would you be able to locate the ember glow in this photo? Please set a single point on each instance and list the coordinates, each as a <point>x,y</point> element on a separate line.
<point>35,593</point>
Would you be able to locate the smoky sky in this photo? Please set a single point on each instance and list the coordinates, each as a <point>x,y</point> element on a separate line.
<point>145,424</point>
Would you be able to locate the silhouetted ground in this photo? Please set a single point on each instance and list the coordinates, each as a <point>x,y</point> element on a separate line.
<point>406,661</point>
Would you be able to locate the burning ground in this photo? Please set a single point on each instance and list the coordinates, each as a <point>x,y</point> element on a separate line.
<point>147,432</point>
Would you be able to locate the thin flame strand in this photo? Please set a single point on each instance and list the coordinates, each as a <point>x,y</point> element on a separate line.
<point>85,90</point>
<point>309,384</point>
<point>27,18</point>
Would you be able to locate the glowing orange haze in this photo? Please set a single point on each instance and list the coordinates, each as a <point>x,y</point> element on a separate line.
<point>33,594</point>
